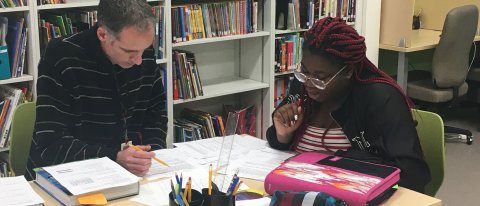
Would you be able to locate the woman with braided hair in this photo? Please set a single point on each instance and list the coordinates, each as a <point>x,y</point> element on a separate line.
<point>342,103</point>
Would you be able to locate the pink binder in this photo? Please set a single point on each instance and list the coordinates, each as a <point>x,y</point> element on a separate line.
<point>355,182</point>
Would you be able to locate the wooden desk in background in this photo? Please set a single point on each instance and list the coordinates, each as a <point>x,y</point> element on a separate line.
<point>422,39</point>
<point>401,197</point>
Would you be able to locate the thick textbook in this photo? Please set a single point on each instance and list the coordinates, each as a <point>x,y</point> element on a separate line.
<point>87,177</point>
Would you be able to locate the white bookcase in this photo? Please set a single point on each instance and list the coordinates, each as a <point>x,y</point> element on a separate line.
<point>235,70</point>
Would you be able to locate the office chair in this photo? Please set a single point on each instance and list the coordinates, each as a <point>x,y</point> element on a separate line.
<point>430,133</point>
<point>450,64</point>
<point>23,121</point>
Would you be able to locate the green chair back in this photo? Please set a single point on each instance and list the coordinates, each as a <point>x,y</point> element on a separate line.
<point>431,135</point>
<point>21,133</point>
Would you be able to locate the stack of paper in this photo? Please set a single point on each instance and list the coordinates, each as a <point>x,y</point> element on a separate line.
<point>17,191</point>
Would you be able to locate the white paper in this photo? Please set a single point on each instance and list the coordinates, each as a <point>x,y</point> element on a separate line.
<point>17,191</point>
<point>258,163</point>
<point>257,202</point>
<point>153,193</point>
<point>91,175</point>
<point>174,158</point>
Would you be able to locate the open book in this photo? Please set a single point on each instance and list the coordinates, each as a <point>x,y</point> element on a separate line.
<point>68,183</point>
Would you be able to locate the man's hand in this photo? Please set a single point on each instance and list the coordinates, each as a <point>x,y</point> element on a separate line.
<point>137,162</point>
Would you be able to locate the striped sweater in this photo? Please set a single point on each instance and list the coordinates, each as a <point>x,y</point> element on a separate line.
<point>86,105</point>
<point>314,140</point>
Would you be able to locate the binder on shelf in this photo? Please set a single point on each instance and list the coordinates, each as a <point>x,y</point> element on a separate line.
<point>4,63</point>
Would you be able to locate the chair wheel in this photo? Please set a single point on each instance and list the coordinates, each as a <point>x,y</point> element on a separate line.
<point>469,140</point>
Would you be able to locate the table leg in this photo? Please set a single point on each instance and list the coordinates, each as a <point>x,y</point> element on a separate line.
<point>402,70</point>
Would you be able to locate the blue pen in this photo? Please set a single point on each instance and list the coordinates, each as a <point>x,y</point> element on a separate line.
<point>176,178</point>
<point>179,200</point>
<point>232,187</point>
<point>181,180</point>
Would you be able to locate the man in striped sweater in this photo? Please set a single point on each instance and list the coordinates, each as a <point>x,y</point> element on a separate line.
<point>98,88</point>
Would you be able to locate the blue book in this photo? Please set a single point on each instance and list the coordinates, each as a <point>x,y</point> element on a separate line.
<point>4,63</point>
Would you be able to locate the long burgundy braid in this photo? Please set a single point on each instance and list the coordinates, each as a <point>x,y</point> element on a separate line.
<point>334,39</point>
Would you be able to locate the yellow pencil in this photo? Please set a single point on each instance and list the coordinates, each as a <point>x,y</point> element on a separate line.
<point>210,180</point>
<point>189,183</point>
<point>155,158</point>
<point>185,200</point>
<point>236,188</point>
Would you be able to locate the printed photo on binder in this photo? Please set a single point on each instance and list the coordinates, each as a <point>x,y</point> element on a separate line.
<point>355,182</point>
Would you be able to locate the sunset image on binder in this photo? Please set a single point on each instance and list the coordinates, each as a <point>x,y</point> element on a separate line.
<point>356,182</point>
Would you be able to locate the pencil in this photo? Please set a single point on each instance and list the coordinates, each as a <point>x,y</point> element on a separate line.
<point>155,158</point>
<point>236,188</point>
<point>210,180</point>
<point>189,197</point>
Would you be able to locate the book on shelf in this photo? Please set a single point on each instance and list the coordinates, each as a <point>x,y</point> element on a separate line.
<point>16,41</point>
<point>294,14</point>
<point>43,2</point>
<point>194,125</point>
<point>346,9</point>
<point>71,182</point>
<point>61,24</point>
<point>159,41</point>
<point>186,77</point>
<point>12,3</point>
<point>198,21</point>
<point>299,14</point>
<point>247,119</point>
<point>288,52</point>
<point>12,97</point>
<point>282,84</point>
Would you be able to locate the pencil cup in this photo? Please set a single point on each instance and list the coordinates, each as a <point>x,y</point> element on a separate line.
<point>197,199</point>
<point>217,198</point>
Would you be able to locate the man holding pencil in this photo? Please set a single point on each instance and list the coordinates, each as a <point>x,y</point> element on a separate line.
<point>100,88</point>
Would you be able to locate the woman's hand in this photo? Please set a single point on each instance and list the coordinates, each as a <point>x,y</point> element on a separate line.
<point>287,119</point>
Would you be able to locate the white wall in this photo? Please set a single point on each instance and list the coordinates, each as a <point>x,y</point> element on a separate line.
<point>369,26</point>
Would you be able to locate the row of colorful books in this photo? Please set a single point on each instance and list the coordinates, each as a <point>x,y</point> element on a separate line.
<point>13,47</point>
<point>10,97</point>
<point>56,25</point>
<point>282,84</point>
<point>198,21</point>
<point>195,125</point>
<point>12,3</point>
<point>42,2</point>
<point>288,52</point>
<point>338,8</point>
<point>294,14</point>
<point>186,77</point>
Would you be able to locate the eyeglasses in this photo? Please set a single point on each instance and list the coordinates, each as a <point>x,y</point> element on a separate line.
<point>319,84</point>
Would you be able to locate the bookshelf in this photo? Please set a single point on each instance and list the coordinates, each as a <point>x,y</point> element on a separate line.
<point>235,69</point>
<point>27,76</point>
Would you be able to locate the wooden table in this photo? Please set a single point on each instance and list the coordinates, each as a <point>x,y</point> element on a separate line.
<point>401,197</point>
<point>422,39</point>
